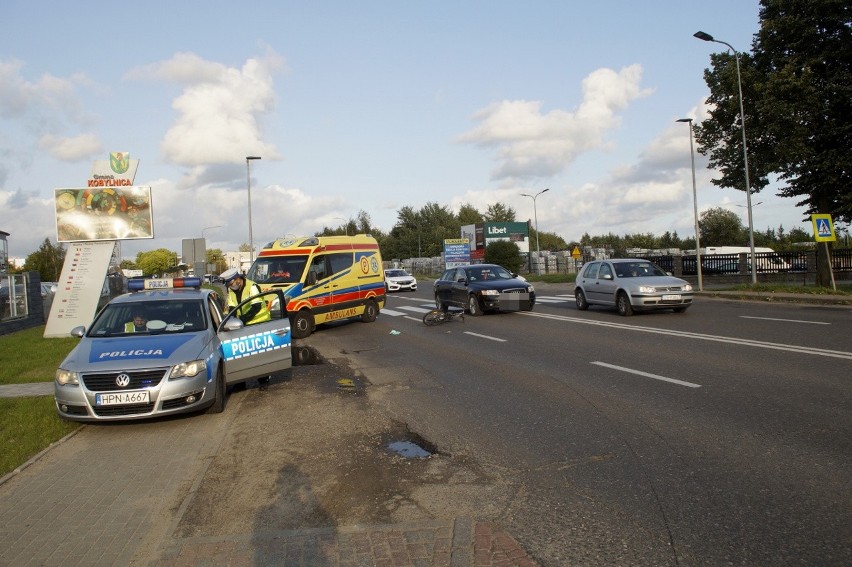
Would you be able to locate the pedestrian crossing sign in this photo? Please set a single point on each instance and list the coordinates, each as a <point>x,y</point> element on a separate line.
<point>823,228</point>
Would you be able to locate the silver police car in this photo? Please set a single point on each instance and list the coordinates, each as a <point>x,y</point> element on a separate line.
<point>167,347</point>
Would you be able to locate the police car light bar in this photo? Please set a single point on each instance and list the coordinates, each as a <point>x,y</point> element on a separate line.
<point>163,283</point>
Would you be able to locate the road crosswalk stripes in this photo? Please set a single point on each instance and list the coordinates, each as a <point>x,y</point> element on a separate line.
<point>402,310</point>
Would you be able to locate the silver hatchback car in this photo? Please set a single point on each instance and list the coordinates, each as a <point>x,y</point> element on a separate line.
<point>631,285</point>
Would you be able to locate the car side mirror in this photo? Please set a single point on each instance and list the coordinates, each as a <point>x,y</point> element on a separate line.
<point>607,276</point>
<point>311,279</point>
<point>233,324</point>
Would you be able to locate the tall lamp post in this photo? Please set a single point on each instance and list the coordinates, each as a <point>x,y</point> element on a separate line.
<point>707,37</point>
<point>209,228</point>
<point>345,224</point>
<point>248,179</point>
<point>694,205</point>
<point>535,214</point>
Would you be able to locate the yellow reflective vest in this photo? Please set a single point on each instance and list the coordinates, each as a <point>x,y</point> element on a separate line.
<point>250,289</point>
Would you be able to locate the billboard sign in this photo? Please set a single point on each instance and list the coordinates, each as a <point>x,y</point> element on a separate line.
<point>108,213</point>
<point>456,252</point>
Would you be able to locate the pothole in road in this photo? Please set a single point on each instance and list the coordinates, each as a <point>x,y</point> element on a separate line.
<point>410,446</point>
<point>305,356</point>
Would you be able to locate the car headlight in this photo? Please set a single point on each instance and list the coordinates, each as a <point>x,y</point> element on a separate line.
<point>188,369</point>
<point>489,292</point>
<point>647,289</point>
<point>687,287</point>
<point>64,377</point>
<point>530,289</point>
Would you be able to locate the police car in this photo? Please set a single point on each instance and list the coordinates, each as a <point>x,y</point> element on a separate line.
<point>181,358</point>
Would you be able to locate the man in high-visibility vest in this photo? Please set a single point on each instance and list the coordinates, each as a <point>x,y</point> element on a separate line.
<point>240,288</point>
<point>138,325</point>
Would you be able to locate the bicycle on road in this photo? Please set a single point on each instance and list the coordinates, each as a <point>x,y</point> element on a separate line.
<point>438,316</point>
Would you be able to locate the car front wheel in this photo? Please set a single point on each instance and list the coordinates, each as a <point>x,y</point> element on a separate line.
<point>371,311</point>
<point>622,302</point>
<point>473,306</point>
<point>218,405</point>
<point>302,324</point>
<point>582,304</point>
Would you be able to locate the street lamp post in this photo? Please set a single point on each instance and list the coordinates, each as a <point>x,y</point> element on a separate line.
<point>694,205</point>
<point>209,228</point>
<point>707,37</point>
<point>535,214</point>
<point>345,224</point>
<point>248,184</point>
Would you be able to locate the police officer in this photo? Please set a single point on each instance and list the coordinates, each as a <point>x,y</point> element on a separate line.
<point>240,288</point>
<point>138,325</point>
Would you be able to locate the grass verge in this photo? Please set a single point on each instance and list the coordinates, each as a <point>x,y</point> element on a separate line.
<point>29,425</point>
<point>28,357</point>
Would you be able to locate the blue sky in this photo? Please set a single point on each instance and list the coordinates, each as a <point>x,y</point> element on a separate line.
<point>365,105</point>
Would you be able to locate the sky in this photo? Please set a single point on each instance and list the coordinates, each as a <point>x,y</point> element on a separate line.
<point>373,106</point>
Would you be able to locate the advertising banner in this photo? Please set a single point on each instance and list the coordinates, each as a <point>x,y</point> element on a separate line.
<point>109,213</point>
<point>456,252</point>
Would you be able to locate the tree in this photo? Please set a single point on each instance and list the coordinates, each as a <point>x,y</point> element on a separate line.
<point>797,85</point>
<point>469,215</point>
<point>505,253</point>
<point>47,261</point>
<point>217,258</point>
<point>155,262</point>
<point>549,241</point>
<point>498,212</point>
<point>721,227</point>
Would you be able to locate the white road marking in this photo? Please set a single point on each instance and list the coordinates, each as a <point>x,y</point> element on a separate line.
<point>688,335</point>
<point>785,320</point>
<point>417,309</point>
<point>485,337</point>
<point>647,375</point>
<point>391,312</point>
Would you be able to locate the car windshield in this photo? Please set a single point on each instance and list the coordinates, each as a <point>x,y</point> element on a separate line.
<point>279,269</point>
<point>149,317</point>
<point>637,270</point>
<point>395,273</point>
<point>489,273</point>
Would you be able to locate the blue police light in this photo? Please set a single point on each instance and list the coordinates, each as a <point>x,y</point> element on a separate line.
<point>163,283</point>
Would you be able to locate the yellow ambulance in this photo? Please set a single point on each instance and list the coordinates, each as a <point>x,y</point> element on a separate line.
<point>325,278</point>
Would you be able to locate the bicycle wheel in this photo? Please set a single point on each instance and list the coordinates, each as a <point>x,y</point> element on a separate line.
<point>434,317</point>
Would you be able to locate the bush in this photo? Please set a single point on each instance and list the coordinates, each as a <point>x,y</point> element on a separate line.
<point>504,253</point>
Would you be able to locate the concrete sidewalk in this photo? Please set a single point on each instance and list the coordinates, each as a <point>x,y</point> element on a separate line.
<point>106,497</point>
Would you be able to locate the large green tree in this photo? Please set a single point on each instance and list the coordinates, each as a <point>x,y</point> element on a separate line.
<point>499,212</point>
<point>797,88</point>
<point>721,227</point>
<point>47,261</point>
<point>157,262</point>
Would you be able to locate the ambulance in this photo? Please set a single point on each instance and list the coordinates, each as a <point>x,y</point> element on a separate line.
<point>324,278</point>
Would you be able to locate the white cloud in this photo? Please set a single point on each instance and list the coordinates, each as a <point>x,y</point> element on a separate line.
<point>532,144</point>
<point>71,148</point>
<point>218,109</point>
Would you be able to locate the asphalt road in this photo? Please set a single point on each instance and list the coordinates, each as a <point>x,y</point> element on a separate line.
<point>717,436</point>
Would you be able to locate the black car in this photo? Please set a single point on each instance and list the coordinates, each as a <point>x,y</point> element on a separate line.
<point>483,287</point>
